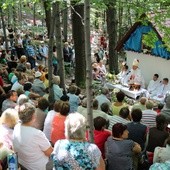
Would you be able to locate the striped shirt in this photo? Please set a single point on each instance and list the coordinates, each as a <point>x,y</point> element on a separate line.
<point>116,119</point>
<point>149,118</point>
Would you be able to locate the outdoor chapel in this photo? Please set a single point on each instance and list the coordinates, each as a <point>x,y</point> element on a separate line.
<point>84,99</point>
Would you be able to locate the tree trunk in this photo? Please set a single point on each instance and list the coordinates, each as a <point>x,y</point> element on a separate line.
<point>10,15</point>
<point>50,55</point>
<point>4,29</point>
<point>78,37</point>
<point>65,21</point>
<point>120,20</point>
<point>20,11</point>
<point>112,32</point>
<point>60,47</point>
<point>47,15</point>
<point>15,21</point>
<point>88,69</point>
<point>96,22</point>
<point>34,14</point>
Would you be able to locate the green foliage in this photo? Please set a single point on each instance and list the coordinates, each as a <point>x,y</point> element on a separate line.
<point>132,10</point>
<point>158,13</point>
<point>149,39</point>
<point>166,39</point>
<point>98,4</point>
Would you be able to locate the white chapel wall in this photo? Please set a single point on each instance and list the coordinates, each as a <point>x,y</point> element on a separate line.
<point>150,65</point>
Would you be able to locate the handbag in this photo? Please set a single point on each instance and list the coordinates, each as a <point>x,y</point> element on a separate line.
<point>143,162</point>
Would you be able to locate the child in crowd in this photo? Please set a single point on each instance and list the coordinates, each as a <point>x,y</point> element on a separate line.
<point>101,133</point>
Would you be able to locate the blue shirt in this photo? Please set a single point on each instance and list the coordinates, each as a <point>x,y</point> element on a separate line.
<point>30,51</point>
<point>74,102</point>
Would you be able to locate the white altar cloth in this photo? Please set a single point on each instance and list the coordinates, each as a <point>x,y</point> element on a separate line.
<point>133,94</point>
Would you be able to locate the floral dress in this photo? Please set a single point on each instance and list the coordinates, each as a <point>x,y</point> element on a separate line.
<point>75,155</point>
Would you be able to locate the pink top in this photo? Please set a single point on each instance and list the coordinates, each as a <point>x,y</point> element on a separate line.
<point>6,135</point>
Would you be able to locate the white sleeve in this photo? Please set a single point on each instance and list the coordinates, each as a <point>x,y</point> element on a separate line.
<point>42,141</point>
<point>48,125</point>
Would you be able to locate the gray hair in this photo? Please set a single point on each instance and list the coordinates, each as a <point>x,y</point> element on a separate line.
<point>26,112</point>
<point>75,126</point>
<point>22,99</point>
<point>56,80</point>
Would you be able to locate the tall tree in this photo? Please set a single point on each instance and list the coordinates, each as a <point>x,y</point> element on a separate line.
<point>59,46</point>
<point>78,37</point>
<point>112,33</point>
<point>34,14</point>
<point>3,27</point>
<point>88,69</point>
<point>50,55</point>
<point>120,17</point>
<point>65,21</point>
<point>47,8</point>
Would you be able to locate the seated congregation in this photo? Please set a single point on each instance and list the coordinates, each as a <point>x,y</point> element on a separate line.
<point>47,137</point>
<point>56,136</point>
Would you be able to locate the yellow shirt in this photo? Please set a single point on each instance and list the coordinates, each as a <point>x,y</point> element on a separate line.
<point>116,109</point>
<point>46,83</point>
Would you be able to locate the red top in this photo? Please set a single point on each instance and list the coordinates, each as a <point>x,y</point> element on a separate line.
<point>58,128</point>
<point>158,111</point>
<point>100,137</point>
<point>1,82</point>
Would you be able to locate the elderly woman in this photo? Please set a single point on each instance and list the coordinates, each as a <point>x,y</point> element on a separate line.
<point>58,92</point>
<point>8,120</point>
<point>119,150</point>
<point>32,146</point>
<point>74,152</point>
<point>162,154</point>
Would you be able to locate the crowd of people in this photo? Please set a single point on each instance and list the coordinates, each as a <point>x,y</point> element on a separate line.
<point>40,132</point>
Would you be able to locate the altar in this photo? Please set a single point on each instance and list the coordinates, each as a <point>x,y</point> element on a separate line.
<point>130,93</point>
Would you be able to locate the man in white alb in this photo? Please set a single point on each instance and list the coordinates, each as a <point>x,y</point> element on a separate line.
<point>153,86</point>
<point>162,90</point>
<point>123,76</point>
